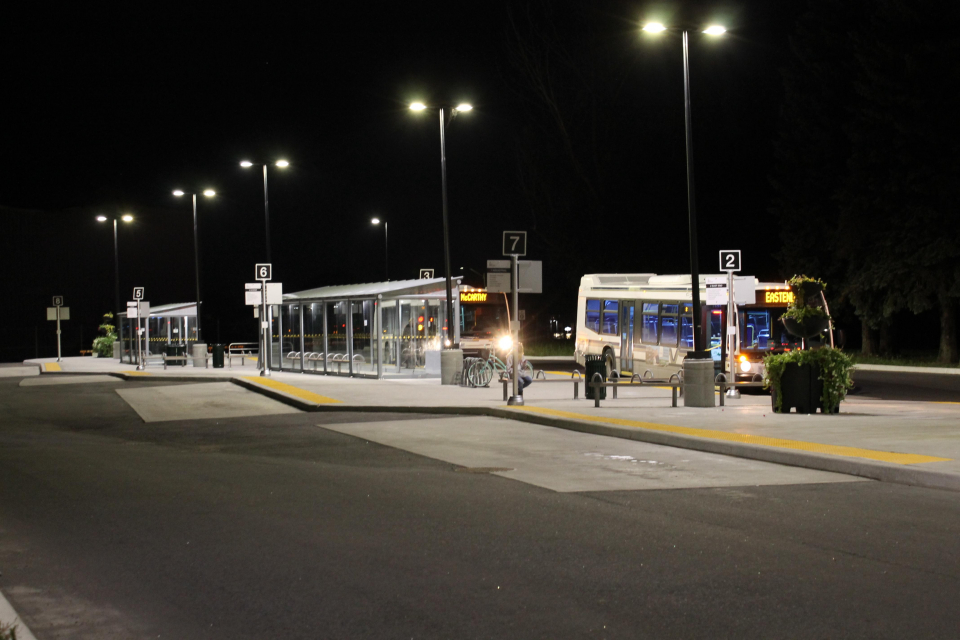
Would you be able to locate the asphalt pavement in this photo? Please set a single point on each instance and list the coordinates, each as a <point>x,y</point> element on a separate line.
<point>289,524</point>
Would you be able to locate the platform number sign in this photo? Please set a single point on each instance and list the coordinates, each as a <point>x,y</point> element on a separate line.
<point>514,243</point>
<point>264,272</point>
<point>138,293</point>
<point>730,260</point>
<point>426,274</point>
<point>58,301</point>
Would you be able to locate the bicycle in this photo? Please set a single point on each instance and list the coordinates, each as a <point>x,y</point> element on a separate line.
<point>481,372</point>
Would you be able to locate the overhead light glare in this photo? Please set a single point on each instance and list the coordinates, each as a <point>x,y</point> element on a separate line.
<point>464,106</point>
<point>654,27</point>
<point>178,193</point>
<point>127,218</point>
<point>715,30</point>
<point>375,221</point>
<point>101,218</point>
<point>209,193</point>
<point>282,163</point>
<point>246,163</point>
<point>417,106</point>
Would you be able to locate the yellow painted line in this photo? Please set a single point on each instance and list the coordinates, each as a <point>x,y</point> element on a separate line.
<point>945,402</point>
<point>137,373</point>
<point>52,366</point>
<point>291,390</point>
<point>780,443</point>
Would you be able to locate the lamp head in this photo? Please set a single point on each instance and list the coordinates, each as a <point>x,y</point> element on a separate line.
<point>282,163</point>
<point>715,30</point>
<point>209,193</point>
<point>101,218</point>
<point>654,27</point>
<point>463,106</point>
<point>246,164</point>
<point>178,193</point>
<point>417,106</point>
<point>127,217</point>
<point>375,221</point>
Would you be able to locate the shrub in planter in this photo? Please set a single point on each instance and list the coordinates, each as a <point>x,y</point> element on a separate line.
<point>103,343</point>
<point>796,378</point>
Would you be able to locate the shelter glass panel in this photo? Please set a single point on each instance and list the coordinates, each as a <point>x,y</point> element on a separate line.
<point>313,352</point>
<point>337,354</point>
<point>291,337</point>
<point>364,339</point>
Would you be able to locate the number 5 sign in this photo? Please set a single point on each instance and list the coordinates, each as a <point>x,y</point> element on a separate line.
<point>264,272</point>
<point>514,243</point>
<point>730,260</point>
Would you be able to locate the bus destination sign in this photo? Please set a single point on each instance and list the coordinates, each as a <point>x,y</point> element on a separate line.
<point>473,296</point>
<point>778,296</point>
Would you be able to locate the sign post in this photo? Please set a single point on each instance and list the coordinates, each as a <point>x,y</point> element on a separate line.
<point>57,304</point>
<point>515,245</point>
<point>730,262</point>
<point>264,272</point>
<point>138,297</point>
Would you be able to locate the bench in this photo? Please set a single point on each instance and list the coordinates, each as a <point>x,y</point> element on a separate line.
<point>676,386</point>
<point>575,377</point>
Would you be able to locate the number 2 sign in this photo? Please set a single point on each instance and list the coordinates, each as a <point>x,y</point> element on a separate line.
<point>730,260</point>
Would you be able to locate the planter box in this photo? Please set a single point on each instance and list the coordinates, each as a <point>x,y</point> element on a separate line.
<point>801,388</point>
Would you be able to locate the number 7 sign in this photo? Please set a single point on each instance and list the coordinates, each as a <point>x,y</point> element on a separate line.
<point>514,243</point>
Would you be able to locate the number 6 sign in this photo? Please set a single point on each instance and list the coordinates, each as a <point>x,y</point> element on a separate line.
<point>264,272</point>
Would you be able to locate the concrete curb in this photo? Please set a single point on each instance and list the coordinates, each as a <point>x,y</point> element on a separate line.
<point>885,472</point>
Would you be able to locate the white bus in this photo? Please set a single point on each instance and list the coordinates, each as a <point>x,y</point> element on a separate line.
<point>644,322</point>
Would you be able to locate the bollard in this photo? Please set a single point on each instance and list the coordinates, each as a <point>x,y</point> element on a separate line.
<point>451,363</point>
<point>199,354</point>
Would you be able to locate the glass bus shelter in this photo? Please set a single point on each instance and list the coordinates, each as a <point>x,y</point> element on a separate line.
<point>374,330</point>
<point>167,324</point>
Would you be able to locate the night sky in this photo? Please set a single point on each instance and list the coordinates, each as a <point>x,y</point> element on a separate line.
<point>108,111</point>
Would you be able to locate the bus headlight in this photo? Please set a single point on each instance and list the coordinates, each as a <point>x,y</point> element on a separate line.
<point>745,366</point>
<point>506,342</point>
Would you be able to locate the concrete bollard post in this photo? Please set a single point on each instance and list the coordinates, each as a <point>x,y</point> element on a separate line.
<point>451,363</point>
<point>698,383</point>
<point>199,353</point>
<point>116,350</point>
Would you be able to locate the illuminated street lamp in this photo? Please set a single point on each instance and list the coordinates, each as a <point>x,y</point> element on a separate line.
<point>460,108</point>
<point>283,164</point>
<point>699,351</point>
<point>116,260</point>
<point>386,248</point>
<point>196,250</point>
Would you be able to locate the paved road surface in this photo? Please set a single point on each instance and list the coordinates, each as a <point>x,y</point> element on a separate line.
<point>281,524</point>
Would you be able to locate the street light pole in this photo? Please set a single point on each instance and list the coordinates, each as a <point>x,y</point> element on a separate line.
<point>386,247</point>
<point>448,343</point>
<point>266,210</point>
<point>196,268</point>
<point>698,345</point>
<point>116,273</point>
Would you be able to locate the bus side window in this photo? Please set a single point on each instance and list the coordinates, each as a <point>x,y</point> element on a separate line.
<point>611,315</point>
<point>668,325</point>
<point>648,334</point>
<point>686,327</point>
<point>592,318</point>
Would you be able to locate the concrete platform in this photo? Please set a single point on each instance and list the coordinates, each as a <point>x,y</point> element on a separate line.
<point>897,441</point>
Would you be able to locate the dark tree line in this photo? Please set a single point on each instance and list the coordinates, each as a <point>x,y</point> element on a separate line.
<point>866,175</point>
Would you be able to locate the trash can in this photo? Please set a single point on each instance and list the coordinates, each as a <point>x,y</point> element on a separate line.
<point>595,364</point>
<point>176,350</point>
<point>217,356</point>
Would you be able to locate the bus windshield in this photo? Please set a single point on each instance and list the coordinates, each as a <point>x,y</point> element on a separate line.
<point>761,329</point>
<point>478,320</point>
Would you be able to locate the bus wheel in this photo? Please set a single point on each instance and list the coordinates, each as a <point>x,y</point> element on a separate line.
<point>611,364</point>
